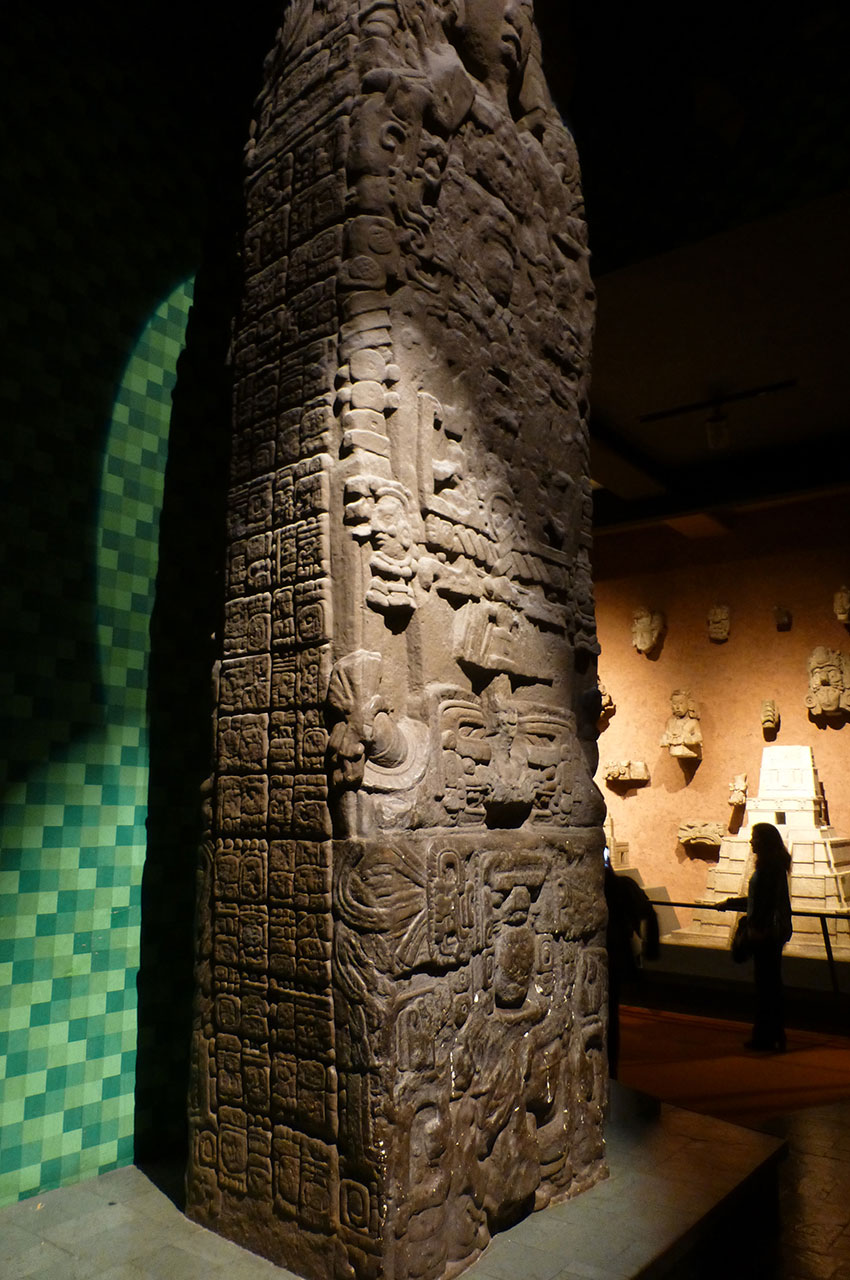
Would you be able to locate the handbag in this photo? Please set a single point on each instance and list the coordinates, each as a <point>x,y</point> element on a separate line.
<point>742,946</point>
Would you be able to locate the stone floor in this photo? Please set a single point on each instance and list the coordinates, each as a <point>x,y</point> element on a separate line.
<point>690,1196</point>
<point>669,1170</point>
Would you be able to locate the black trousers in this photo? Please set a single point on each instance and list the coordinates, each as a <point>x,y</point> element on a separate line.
<point>769,1024</point>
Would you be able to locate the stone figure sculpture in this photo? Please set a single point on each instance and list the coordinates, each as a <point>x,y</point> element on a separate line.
<point>718,621</point>
<point>841,604</point>
<point>738,790</point>
<point>401,967</point>
<point>607,710</point>
<point>829,684</point>
<point>683,736</point>
<point>648,628</point>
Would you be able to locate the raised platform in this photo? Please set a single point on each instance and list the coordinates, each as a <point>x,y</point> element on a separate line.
<point>679,1182</point>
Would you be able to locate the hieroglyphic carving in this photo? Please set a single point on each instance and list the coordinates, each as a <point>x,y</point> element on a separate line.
<point>626,772</point>
<point>401,983</point>
<point>719,622</point>
<point>701,836</point>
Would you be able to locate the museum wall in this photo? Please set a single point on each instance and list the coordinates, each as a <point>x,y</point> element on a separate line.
<point>116,156</point>
<point>794,556</point>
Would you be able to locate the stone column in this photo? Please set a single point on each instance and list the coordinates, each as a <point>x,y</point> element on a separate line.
<point>401,982</point>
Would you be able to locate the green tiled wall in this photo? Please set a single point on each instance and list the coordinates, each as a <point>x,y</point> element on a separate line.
<point>73,830</point>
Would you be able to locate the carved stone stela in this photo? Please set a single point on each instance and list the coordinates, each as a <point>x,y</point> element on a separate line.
<point>401,980</point>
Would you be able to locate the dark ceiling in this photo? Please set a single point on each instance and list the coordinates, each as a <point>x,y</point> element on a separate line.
<point>715,146</point>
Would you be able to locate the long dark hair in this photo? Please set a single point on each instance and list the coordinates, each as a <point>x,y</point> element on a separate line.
<point>769,848</point>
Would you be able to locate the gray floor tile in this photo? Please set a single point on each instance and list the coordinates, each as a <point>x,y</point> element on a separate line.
<point>173,1263</point>
<point>14,1239</point>
<point>52,1207</point>
<point>41,1260</point>
<point>123,1271</point>
<point>666,1172</point>
<point>507,1260</point>
<point>81,1231</point>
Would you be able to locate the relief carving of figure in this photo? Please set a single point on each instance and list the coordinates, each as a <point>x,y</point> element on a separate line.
<point>829,683</point>
<point>738,790</point>
<point>402,971</point>
<point>683,735</point>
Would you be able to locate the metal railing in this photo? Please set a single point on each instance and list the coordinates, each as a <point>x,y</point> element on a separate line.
<point>823,916</point>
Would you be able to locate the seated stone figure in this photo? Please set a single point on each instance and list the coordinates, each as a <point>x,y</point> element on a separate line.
<point>683,735</point>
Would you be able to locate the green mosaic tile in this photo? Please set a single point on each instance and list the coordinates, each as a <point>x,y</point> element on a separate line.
<point>73,824</point>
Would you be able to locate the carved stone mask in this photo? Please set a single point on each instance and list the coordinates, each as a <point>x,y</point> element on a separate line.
<point>495,38</point>
<point>718,622</point>
<point>646,629</point>
<point>826,682</point>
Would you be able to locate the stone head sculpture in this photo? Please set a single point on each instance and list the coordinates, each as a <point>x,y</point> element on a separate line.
<point>648,627</point>
<point>841,604</point>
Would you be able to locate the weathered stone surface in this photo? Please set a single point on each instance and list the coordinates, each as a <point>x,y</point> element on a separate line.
<point>701,835</point>
<point>648,629</point>
<point>401,977</point>
<point>622,772</point>
<point>719,622</point>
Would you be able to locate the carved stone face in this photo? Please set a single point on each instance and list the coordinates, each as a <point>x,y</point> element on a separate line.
<point>495,38</point>
<point>718,622</point>
<point>391,527</point>
<point>646,629</point>
<point>841,604</point>
<point>679,703</point>
<point>826,683</point>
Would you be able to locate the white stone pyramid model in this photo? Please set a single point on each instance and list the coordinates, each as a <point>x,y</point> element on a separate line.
<point>791,797</point>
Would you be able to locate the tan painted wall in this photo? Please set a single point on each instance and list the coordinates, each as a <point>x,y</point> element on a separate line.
<point>796,557</point>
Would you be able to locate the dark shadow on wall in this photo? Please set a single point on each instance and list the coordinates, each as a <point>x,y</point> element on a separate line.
<point>184,628</point>
<point>120,144</point>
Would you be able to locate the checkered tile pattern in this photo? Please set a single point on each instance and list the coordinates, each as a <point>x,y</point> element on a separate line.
<point>73,829</point>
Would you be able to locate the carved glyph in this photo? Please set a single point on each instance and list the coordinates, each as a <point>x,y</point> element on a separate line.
<point>701,836</point>
<point>719,623</point>
<point>401,974</point>
<point>618,772</point>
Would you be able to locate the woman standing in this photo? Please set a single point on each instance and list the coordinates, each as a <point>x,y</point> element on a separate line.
<point>768,907</point>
